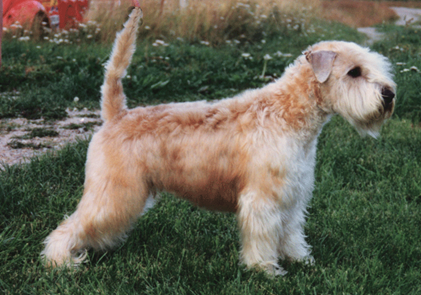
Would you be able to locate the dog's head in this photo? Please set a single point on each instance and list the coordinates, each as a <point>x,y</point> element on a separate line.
<point>354,82</point>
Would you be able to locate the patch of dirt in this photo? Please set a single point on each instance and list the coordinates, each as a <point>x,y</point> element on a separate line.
<point>21,139</point>
<point>407,16</point>
<point>372,34</point>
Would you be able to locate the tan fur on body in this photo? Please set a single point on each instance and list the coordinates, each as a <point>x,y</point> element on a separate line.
<point>253,154</point>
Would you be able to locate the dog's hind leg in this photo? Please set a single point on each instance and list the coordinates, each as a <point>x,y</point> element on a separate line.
<point>111,203</point>
<point>114,197</point>
<point>103,217</point>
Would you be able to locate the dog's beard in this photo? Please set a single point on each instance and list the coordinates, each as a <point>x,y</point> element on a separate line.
<point>363,108</point>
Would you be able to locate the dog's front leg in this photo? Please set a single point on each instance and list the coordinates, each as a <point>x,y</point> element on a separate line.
<point>260,224</point>
<point>292,244</point>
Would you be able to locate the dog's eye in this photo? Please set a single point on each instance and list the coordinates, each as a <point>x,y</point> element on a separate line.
<point>355,72</point>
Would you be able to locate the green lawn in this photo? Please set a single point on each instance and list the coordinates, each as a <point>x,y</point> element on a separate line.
<point>365,217</point>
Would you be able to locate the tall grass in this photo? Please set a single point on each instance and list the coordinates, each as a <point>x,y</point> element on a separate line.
<point>213,21</point>
<point>358,13</point>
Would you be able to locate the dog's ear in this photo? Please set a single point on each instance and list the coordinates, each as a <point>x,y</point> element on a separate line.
<point>321,62</point>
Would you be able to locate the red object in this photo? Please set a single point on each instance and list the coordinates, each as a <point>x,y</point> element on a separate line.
<point>65,13</point>
<point>71,12</point>
<point>23,11</point>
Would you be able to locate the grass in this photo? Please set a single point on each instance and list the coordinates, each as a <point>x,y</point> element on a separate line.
<point>363,225</point>
<point>180,71</point>
<point>364,218</point>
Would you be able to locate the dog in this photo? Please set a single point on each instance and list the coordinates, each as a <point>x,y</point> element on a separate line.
<point>253,154</point>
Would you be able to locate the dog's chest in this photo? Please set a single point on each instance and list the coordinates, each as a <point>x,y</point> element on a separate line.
<point>298,183</point>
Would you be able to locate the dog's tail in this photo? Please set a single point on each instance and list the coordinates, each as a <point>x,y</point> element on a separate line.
<point>113,99</point>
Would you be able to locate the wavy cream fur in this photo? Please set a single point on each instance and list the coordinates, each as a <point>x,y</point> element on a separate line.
<point>253,154</point>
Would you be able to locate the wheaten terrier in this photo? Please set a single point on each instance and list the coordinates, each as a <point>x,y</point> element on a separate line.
<point>253,154</point>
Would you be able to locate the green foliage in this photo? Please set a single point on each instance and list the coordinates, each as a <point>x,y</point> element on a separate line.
<point>42,79</point>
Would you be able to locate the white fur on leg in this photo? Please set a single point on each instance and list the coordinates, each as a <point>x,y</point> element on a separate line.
<point>260,224</point>
<point>292,244</point>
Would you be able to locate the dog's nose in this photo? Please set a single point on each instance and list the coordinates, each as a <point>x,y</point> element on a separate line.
<point>387,95</point>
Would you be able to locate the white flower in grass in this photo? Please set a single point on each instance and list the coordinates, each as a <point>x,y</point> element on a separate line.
<point>76,99</point>
<point>280,54</point>
<point>267,57</point>
<point>204,43</point>
<point>415,69</point>
<point>159,43</point>
<point>247,56</point>
<point>147,27</point>
<point>89,36</point>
